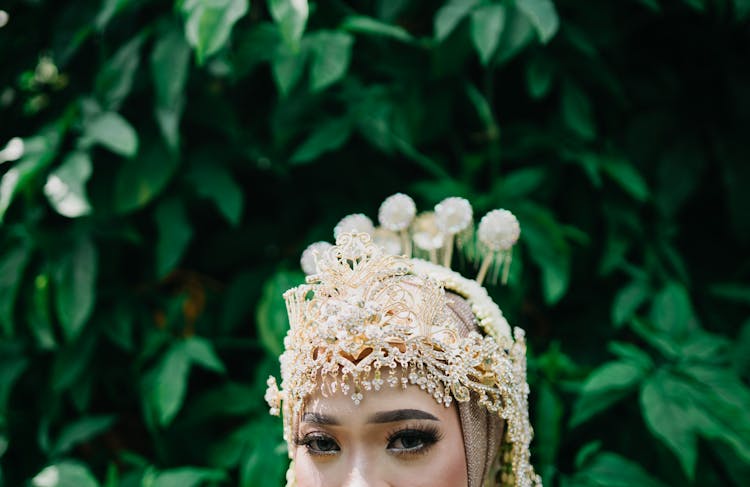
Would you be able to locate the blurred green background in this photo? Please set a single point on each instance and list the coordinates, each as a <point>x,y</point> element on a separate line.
<point>164,163</point>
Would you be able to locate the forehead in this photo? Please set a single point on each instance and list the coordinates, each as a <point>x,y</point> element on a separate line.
<point>343,407</point>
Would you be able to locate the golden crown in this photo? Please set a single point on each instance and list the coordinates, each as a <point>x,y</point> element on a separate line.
<point>370,316</point>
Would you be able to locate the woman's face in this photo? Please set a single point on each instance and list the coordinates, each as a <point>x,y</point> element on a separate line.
<point>393,438</point>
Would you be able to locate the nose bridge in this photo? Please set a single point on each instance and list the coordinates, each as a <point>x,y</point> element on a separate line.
<point>363,472</point>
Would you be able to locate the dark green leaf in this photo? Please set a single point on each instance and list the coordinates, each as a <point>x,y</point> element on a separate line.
<point>672,312</point>
<point>170,61</point>
<point>486,27</point>
<point>732,291</point>
<point>669,420</point>
<point>187,477</point>
<point>627,176</point>
<point>741,358</point>
<point>522,182</point>
<point>215,182</point>
<point>72,361</point>
<point>331,53</point>
<point>175,233</point>
<point>542,15</point>
<point>328,136</point>
<point>271,312</point>
<point>631,353</point>
<point>628,300</point>
<point>80,431</point>
<point>450,14</point>
<point>265,455</point>
<point>65,474</point>
<point>288,66</point>
<point>741,9</point>
<point>75,286</point>
<point>612,470</point>
<point>605,386</point>
<point>39,312</point>
<point>115,80</point>
<point>109,9</point>
<point>209,23</point>
<point>166,385</point>
<point>66,185</point>
<point>539,76</point>
<point>577,111</point>
<point>141,179</point>
<point>12,265</point>
<point>548,430</point>
<point>291,17</point>
<point>12,365</point>
<point>202,353</point>
<point>361,24</point>
<point>112,131</point>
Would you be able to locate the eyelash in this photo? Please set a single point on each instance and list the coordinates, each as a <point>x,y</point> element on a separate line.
<point>426,435</point>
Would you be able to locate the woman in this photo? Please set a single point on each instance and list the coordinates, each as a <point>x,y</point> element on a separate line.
<point>398,371</point>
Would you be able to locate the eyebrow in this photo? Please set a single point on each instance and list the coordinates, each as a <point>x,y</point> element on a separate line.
<point>377,418</point>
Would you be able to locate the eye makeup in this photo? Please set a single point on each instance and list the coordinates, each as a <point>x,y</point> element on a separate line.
<point>411,440</point>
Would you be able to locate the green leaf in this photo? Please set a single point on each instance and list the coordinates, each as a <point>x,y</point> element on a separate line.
<point>605,386</point>
<point>542,15</point>
<point>361,24</point>
<point>109,9</point>
<point>631,353</point>
<point>12,266</point>
<point>112,131</point>
<point>577,112</point>
<point>187,477</point>
<point>486,27</point>
<point>539,76</point>
<point>669,420</point>
<point>66,185</point>
<point>741,358</point>
<point>265,455</point>
<point>75,286</point>
<point>522,182</point>
<point>331,54</point>
<point>115,79</point>
<point>215,182</point>
<point>38,152</point>
<point>741,9</point>
<point>39,312</point>
<point>288,66</point>
<point>209,23</point>
<point>141,179</point>
<point>628,300</point>
<point>271,314</point>
<point>449,16</point>
<point>170,62</point>
<point>175,233</point>
<point>548,430</point>
<point>612,470</point>
<point>626,176</point>
<point>166,385</point>
<point>328,136</point>
<point>80,431</point>
<point>202,353</point>
<point>672,312</point>
<point>72,362</point>
<point>291,17</point>
<point>65,474</point>
<point>732,291</point>
<point>517,34</point>
<point>12,365</point>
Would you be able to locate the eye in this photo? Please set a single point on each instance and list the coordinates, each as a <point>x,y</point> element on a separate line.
<point>319,444</point>
<point>412,440</point>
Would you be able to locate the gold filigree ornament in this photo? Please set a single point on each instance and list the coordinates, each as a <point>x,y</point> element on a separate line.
<point>366,319</point>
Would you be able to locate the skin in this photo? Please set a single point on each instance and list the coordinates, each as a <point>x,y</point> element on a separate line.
<point>393,438</point>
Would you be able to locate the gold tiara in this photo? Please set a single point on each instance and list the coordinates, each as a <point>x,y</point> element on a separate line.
<point>370,317</point>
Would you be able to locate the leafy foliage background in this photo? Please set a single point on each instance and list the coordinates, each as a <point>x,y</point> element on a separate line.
<point>164,164</point>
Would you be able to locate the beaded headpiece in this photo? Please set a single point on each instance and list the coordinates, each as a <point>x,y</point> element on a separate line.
<point>372,314</point>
